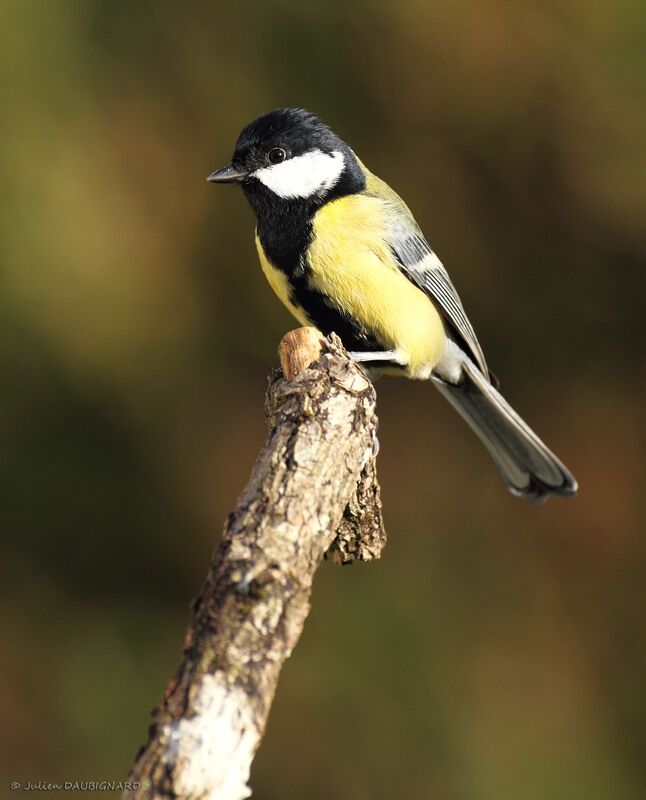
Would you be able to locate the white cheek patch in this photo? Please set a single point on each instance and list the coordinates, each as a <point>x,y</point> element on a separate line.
<point>302,176</point>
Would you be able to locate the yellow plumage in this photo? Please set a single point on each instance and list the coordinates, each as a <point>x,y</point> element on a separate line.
<point>352,264</point>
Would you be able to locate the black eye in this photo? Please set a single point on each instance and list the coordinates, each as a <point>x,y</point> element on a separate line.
<point>276,155</point>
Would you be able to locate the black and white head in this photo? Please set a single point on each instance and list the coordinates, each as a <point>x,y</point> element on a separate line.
<point>289,156</point>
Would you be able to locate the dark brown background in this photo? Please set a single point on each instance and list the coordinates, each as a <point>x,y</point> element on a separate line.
<point>497,650</point>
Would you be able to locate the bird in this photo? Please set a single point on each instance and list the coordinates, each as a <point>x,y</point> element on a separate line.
<point>344,254</point>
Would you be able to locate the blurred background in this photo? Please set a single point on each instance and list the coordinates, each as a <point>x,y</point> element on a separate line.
<point>497,650</point>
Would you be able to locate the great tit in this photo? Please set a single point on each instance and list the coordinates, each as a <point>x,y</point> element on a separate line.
<point>344,254</point>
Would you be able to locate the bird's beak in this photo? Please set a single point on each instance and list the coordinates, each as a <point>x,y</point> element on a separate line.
<point>226,175</point>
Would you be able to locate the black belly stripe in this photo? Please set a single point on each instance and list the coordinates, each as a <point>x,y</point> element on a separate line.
<point>327,318</point>
<point>285,233</point>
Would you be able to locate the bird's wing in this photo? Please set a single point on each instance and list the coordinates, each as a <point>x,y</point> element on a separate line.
<point>417,261</point>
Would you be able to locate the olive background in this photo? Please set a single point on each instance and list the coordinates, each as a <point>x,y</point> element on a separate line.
<point>497,650</point>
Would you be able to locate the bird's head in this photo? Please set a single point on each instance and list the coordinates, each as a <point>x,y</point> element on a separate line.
<point>290,155</point>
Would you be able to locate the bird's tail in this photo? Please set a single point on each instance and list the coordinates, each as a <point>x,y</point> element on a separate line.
<point>527,466</point>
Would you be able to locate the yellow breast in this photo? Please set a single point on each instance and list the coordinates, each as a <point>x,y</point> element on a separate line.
<point>353,265</point>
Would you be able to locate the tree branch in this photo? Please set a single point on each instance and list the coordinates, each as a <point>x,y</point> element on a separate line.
<point>313,490</point>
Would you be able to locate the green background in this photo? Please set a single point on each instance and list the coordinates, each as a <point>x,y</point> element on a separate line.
<point>497,650</point>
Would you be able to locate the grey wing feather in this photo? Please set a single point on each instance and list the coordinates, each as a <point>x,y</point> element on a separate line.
<point>419,263</point>
<point>527,466</point>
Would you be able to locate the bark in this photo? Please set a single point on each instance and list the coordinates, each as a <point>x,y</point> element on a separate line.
<point>313,491</point>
